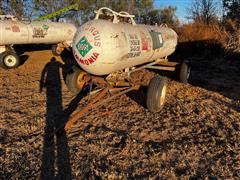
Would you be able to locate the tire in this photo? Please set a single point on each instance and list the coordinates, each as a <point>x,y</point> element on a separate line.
<point>1,61</point>
<point>184,73</point>
<point>156,94</point>
<point>54,50</point>
<point>72,78</point>
<point>9,60</point>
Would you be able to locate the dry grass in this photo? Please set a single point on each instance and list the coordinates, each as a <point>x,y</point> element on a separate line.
<point>233,44</point>
<point>210,39</point>
<point>202,32</point>
<point>196,135</point>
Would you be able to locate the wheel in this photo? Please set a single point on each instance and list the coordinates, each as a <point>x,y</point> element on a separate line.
<point>9,60</point>
<point>1,61</point>
<point>184,73</point>
<point>56,50</point>
<point>156,94</point>
<point>73,77</point>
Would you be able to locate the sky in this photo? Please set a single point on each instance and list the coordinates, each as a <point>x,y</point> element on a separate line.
<point>181,5</point>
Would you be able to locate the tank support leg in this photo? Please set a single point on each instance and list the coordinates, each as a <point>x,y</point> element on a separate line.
<point>2,49</point>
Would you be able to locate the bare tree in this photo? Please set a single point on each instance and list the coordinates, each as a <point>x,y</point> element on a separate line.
<point>232,9</point>
<point>165,15</point>
<point>203,10</point>
<point>136,7</point>
<point>87,7</point>
<point>19,8</point>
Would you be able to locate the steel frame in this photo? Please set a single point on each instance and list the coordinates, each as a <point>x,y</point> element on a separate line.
<point>119,88</point>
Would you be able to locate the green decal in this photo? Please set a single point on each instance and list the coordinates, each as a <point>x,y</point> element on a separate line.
<point>83,46</point>
<point>45,27</point>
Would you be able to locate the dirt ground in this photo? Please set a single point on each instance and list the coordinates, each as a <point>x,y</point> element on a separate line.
<point>195,136</point>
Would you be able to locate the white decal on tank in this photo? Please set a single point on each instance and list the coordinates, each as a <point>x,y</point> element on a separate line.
<point>134,46</point>
<point>40,32</point>
<point>8,28</point>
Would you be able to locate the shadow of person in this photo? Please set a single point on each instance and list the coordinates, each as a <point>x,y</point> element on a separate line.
<point>23,59</point>
<point>55,148</point>
<point>69,61</point>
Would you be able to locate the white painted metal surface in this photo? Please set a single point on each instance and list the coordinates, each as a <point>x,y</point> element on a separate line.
<point>101,46</point>
<point>35,32</point>
<point>2,49</point>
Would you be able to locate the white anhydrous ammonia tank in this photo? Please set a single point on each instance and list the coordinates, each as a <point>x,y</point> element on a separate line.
<point>101,47</point>
<point>35,32</point>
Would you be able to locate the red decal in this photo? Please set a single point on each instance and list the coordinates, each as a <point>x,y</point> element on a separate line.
<point>94,58</point>
<point>96,36</point>
<point>88,61</point>
<point>96,32</point>
<point>15,29</point>
<point>95,55</point>
<point>81,61</point>
<point>91,60</point>
<point>97,44</point>
<point>144,42</point>
<point>91,29</point>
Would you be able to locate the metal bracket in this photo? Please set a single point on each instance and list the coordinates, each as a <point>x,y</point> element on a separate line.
<point>116,15</point>
<point>160,64</point>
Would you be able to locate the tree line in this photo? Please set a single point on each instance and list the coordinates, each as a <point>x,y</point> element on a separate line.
<point>200,10</point>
